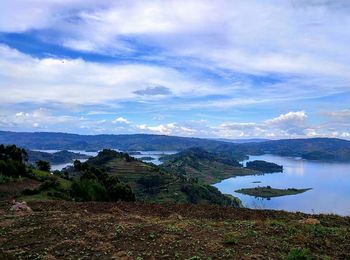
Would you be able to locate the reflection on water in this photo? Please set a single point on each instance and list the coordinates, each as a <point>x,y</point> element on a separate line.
<point>330,183</point>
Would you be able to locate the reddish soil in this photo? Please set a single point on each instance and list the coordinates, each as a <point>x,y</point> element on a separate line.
<point>69,230</point>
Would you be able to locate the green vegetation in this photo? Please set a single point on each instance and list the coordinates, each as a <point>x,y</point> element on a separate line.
<point>329,148</point>
<point>54,158</point>
<point>264,167</point>
<point>268,192</point>
<point>154,184</point>
<point>43,166</point>
<point>206,167</point>
<point>202,194</point>
<point>95,184</point>
<point>12,161</point>
<point>146,158</point>
<point>299,254</point>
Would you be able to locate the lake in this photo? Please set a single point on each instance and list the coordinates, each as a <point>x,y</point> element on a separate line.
<point>330,183</point>
<point>154,154</point>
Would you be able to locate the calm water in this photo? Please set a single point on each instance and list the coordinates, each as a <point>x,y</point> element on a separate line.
<point>154,154</point>
<point>330,183</point>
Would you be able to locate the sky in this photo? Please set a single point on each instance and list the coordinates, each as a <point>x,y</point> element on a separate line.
<point>212,69</point>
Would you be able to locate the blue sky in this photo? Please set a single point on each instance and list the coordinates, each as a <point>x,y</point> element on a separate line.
<point>228,69</point>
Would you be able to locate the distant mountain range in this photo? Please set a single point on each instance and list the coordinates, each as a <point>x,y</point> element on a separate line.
<point>242,141</point>
<point>325,149</point>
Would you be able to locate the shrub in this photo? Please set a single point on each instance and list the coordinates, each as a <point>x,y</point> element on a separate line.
<point>231,238</point>
<point>43,166</point>
<point>87,190</point>
<point>121,191</point>
<point>50,183</point>
<point>152,184</point>
<point>5,179</point>
<point>299,254</point>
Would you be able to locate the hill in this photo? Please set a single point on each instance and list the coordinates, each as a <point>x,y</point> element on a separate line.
<point>329,149</point>
<point>134,142</point>
<point>264,167</point>
<point>323,149</point>
<point>154,184</point>
<point>196,163</point>
<point>54,158</point>
<point>126,230</point>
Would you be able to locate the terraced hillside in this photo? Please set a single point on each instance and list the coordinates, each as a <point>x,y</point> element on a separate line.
<point>205,166</point>
<point>154,184</point>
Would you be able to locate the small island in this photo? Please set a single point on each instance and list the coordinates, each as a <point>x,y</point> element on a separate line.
<point>264,167</point>
<point>268,192</point>
<point>134,153</point>
<point>147,158</point>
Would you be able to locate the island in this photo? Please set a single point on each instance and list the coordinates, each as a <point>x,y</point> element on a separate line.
<point>264,167</point>
<point>268,192</point>
<point>147,158</point>
<point>134,153</point>
<point>203,166</point>
<point>55,158</point>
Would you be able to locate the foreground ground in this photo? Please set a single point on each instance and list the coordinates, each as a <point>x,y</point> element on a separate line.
<point>68,230</point>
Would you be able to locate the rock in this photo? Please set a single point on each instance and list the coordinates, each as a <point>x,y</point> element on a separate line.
<point>20,206</point>
<point>309,221</point>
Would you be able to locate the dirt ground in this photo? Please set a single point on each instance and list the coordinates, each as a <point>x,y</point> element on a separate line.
<point>69,230</point>
<point>10,189</point>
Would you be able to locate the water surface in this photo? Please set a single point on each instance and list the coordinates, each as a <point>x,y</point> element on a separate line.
<point>330,183</point>
<point>154,154</point>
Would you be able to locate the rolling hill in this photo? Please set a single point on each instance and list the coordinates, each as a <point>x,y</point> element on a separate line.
<point>329,149</point>
<point>207,167</point>
<point>154,184</point>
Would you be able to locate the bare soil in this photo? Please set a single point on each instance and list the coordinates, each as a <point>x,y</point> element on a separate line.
<point>91,230</point>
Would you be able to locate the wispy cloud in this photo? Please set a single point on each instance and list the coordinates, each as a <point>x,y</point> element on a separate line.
<point>161,63</point>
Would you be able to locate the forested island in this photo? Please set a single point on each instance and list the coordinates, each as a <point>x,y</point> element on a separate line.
<point>264,167</point>
<point>54,158</point>
<point>268,192</point>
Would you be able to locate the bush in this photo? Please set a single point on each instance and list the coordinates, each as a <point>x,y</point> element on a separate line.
<point>43,166</point>
<point>152,184</point>
<point>299,254</point>
<point>12,168</point>
<point>6,179</point>
<point>121,191</point>
<point>231,238</point>
<point>87,190</point>
<point>50,183</point>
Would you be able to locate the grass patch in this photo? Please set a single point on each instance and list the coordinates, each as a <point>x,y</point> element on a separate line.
<point>299,254</point>
<point>231,238</point>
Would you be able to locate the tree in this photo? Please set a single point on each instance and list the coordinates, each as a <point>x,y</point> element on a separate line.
<point>12,161</point>
<point>121,191</point>
<point>43,166</point>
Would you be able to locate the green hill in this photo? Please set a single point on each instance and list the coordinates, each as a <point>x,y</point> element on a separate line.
<point>196,163</point>
<point>54,158</point>
<point>154,184</point>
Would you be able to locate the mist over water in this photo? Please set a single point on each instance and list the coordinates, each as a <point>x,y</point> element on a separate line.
<point>330,183</point>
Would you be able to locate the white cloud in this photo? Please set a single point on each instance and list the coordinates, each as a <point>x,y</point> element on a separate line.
<point>289,118</point>
<point>75,81</point>
<point>247,36</point>
<point>291,124</point>
<point>168,129</point>
<point>121,120</point>
<point>339,115</point>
